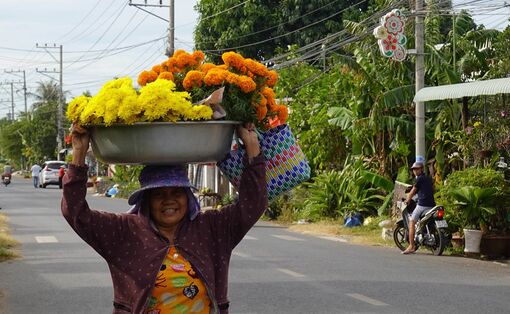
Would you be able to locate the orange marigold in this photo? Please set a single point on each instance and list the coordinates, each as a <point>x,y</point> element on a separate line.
<point>233,59</point>
<point>215,76</point>
<point>157,68</point>
<point>256,67</point>
<point>261,112</point>
<point>232,78</point>
<point>198,56</point>
<point>246,84</point>
<point>147,77</point>
<point>164,66</point>
<point>171,64</point>
<point>272,78</point>
<point>166,76</point>
<point>283,113</point>
<point>271,104</point>
<point>262,100</point>
<point>192,79</point>
<point>268,93</point>
<point>184,60</point>
<point>206,67</point>
<point>179,52</point>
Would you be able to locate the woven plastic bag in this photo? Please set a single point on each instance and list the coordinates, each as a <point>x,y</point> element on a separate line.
<point>286,165</point>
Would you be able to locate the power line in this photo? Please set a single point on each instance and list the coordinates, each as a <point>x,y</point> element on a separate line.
<point>102,35</point>
<point>288,33</point>
<point>81,21</point>
<point>97,22</point>
<point>277,25</point>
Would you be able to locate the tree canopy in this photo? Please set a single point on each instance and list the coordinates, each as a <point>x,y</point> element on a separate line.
<point>257,29</point>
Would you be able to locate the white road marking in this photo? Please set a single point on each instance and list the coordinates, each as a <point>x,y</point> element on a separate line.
<point>291,273</point>
<point>286,237</point>
<point>46,239</point>
<point>336,239</point>
<point>247,237</point>
<point>240,254</point>
<point>366,299</point>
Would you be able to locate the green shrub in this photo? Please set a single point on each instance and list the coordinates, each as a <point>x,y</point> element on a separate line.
<point>474,177</point>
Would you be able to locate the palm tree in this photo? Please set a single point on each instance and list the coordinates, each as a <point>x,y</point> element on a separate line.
<point>46,93</point>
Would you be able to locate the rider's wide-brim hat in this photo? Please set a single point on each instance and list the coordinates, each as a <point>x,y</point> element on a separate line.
<point>153,177</point>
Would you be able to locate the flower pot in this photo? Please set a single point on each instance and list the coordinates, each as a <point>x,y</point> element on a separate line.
<point>495,246</point>
<point>163,142</point>
<point>472,239</point>
<point>457,241</point>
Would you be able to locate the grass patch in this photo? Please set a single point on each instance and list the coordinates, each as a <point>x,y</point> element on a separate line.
<point>368,234</point>
<point>7,243</point>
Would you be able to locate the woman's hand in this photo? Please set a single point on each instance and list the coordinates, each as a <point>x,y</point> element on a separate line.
<point>250,139</point>
<point>80,139</point>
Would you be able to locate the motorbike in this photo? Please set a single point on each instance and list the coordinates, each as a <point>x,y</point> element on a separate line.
<point>431,230</point>
<point>6,180</point>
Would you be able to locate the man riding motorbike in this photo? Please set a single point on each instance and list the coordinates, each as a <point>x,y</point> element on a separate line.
<point>7,174</point>
<point>425,189</point>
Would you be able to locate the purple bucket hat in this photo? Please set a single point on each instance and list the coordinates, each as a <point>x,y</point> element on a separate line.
<point>153,177</point>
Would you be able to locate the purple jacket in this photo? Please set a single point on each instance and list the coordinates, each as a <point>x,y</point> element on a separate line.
<point>134,250</point>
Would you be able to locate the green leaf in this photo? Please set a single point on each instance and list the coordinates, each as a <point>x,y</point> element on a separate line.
<point>378,180</point>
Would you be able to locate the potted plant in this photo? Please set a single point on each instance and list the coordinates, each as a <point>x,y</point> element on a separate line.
<point>475,207</point>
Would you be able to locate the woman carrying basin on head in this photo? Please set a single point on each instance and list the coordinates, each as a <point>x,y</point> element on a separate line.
<point>165,255</point>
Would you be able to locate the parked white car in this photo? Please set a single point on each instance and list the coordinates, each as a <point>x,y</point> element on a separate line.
<point>49,173</point>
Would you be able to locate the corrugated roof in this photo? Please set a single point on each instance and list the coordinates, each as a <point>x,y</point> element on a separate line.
<point>488,87</point>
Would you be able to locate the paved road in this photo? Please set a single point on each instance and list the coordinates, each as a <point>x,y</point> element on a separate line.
<point>272,270</point>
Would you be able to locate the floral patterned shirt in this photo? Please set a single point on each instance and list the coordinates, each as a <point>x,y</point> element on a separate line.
<point>178,289</point>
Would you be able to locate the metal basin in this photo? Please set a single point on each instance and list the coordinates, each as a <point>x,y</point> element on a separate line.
<point>163,142</point>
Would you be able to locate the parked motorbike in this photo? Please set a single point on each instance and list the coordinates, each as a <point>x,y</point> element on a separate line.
<point>431,229</point>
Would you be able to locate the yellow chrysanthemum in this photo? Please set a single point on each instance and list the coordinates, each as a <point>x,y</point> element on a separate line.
<point>130,110</point>
<point>160,101</point>
<point>199,112</point>
<point>76,106</point>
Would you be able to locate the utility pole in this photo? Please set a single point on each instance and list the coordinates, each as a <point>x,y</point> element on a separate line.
<point>24,88</point>
<point>171,39</point>
<point>6,106</point>
<point>60,107</point>
<point>420,78</point>
<point>11,83</point>
<point>12,100</point>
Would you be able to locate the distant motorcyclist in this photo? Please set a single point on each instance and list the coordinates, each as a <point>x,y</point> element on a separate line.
<point>425,189</point>
<point>7,172</point>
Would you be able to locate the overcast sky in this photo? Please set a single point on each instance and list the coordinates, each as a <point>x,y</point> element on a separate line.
<point>85,29</point>
<point>106,38</point>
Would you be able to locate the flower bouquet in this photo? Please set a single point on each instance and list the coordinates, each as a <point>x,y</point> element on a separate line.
<point>185,111</point>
